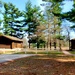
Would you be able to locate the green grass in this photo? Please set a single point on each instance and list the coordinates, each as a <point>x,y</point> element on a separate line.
<point>24,53</point>
<point>7,52</point>
<point>50,52</point>
<point>73,52</point>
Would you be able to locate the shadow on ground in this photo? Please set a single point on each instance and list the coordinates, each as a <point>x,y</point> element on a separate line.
<point>40,65</point>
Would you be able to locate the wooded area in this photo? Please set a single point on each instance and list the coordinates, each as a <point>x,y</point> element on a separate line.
<point>44,28</point>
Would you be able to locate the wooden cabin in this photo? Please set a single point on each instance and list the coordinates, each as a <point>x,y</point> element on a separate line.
<point>72,41</point>
<point>10,42</point>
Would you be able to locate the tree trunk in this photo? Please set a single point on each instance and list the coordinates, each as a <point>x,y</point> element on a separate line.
<point>60,45</point>
<point>50,45</point>
<point>69,45</point>
<point>54,45</point>
<point>29,44</point>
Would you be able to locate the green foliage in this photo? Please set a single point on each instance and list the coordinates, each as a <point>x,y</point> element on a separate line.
<point>31,17</point>
<point>53,0</point>
<point>1,4</point>
<point>73,26</point>
<point>60,37</point>
<point>11,15</point>
<point>70,15</point>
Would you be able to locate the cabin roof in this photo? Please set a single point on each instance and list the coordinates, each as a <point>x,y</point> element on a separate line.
<point>11,38</point>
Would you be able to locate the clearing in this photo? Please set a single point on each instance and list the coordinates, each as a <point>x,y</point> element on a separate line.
<point>42,64</point>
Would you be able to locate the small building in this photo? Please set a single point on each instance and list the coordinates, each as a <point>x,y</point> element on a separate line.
<point>72,41</point>
<point>10,42</point>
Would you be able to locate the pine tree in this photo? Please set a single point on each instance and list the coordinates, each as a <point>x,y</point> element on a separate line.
<point>11,15</point>
<point>31,19</point>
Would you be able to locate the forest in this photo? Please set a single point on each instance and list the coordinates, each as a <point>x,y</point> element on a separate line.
<point>44,28</point>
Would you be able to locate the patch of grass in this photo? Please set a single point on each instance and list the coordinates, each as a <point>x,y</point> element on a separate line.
<point>9,52</point>
<point>24,53</point>
<point>73,52</point>
<point>44,52</point>
<point>50,52</point>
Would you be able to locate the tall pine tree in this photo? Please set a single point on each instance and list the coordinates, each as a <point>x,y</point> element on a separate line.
<point>11,21</point>
<point>31,18</point>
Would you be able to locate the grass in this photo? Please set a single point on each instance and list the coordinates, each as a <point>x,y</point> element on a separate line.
<point>55,63</point>
<point>31,52</point>
<point>51,64</point>
<point>72,52</point>
<point>24,53</point>
<point>43,52</point>
<point>7,52</point>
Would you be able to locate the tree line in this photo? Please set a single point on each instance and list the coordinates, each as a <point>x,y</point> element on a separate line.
<point>43,27</point>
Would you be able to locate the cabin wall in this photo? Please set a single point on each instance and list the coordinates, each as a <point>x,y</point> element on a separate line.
<point>16,45</point>
<point>5,43</point>
<point>5,46</point>
<point>10,44</point>
<point>19,45</point>
<point>72,44</point>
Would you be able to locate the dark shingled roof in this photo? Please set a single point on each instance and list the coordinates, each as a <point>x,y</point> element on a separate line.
<point>11,38</point>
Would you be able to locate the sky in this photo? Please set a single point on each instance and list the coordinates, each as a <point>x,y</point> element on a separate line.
<point>21,5</point>
<point>67,5</point>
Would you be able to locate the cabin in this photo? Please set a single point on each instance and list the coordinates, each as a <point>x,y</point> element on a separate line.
<point>72,41</point>
<point>10,42</point>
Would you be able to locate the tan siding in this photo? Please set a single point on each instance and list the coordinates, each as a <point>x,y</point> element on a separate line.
<point>19,45</point>
<point>5,46</point>
<point>14,45</point>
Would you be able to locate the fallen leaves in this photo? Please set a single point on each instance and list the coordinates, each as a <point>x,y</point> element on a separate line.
<point>40,65</point>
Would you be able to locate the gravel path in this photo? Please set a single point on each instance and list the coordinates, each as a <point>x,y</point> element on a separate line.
<point>10,57</point>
